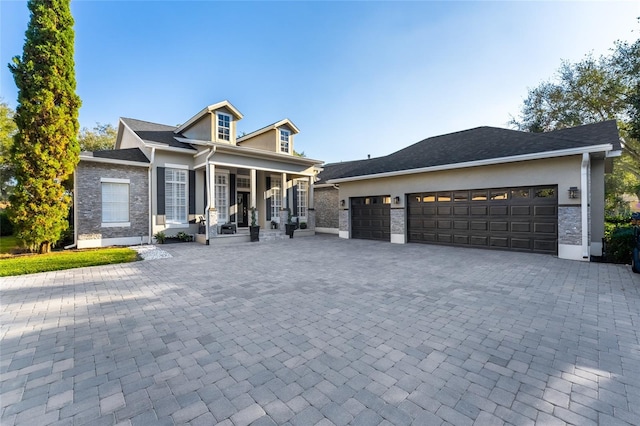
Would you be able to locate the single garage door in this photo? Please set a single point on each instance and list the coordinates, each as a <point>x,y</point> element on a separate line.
<point>371,218</point>
<point>522,219</point>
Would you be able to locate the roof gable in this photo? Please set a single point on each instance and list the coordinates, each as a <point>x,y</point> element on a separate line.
<point>224,105</point>
<point>282,123</point>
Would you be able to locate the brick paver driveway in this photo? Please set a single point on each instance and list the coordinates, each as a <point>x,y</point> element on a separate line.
<point>323,330</point>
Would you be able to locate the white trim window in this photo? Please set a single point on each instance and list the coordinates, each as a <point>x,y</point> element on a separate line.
<point>276,197</point>
<point>115,202</point>
<point>285,138</point>
<point>222,196</point>
<point>303,202</point>
<point>224,126</point>
<point>175,195</point>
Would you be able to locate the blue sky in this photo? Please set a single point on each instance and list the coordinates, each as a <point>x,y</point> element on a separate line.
<point>357,78</point>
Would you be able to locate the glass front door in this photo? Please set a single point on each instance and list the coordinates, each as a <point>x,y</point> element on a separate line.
<point>243,209</point>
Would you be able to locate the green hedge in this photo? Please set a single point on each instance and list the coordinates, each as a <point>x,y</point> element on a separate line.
<point>619,245</point>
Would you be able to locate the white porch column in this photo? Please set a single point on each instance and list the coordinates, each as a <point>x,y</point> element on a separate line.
<point>211,187</point>
<point>283,191</point>
<point>212,214</point>
<point>253,189</point>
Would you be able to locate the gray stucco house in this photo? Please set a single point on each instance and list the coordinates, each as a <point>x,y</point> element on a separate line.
<point>485,187</point>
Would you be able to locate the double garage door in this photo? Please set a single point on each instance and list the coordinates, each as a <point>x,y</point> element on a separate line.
<point>522,218</point>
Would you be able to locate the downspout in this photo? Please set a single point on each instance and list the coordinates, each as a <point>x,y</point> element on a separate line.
<point>584,199</point>
<point>208,185</point>
<point>153,157</point>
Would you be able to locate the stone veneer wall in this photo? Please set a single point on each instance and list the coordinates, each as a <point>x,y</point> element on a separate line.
<point>325,201</point>
<point>570,225</point>
<point>397,221</point>
<point>88,195</point>
<point>344,220</point>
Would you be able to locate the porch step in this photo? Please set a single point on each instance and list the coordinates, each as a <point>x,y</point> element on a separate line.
<point>242,236</point>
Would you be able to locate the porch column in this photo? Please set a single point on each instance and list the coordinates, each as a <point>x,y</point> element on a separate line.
<point>212,214</point>
<point>283,191</point>
<point>253,189</point>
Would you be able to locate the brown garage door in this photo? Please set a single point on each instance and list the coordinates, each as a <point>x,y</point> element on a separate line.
<point>371,218</point>
<point>522,219</point>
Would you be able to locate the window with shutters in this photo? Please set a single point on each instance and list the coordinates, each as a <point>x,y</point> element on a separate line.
<point>222,197</point>
<point>175,195</point>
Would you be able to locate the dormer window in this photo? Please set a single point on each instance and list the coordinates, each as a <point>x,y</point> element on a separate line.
<point>224,126</point>
<point>284,140</point>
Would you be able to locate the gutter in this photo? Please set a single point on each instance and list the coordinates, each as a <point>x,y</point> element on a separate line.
<point>584,203</point>
<point>207,179</point>
<point>153,157</point>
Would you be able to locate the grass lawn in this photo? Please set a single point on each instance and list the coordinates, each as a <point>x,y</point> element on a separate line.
<point>7,243</point>
<point>56,261</point>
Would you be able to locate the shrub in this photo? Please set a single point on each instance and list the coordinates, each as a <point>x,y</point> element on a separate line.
<point>619,245</point>
<point>183,236</point>
<point>160,237</point>
<point>6,227</point>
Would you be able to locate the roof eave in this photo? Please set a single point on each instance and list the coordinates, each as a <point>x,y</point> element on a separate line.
<point>165,147</point>
<point>487,162</point>
<point>253,152</point>
<point>85,157</point>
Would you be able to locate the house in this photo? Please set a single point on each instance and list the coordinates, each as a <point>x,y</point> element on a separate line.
<point>197,178</point>
<point>484,187</point>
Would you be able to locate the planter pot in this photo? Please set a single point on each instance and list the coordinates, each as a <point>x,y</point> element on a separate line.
<point>289,228</point>
<point>254,233</point>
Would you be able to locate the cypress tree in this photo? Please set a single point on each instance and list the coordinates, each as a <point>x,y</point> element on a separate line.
<point>45,151</point>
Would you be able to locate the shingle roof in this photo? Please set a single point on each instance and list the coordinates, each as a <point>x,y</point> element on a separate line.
<point>481,143</point>
<point>129,154</point>
<point>337,170</point>
<point>154,132</point>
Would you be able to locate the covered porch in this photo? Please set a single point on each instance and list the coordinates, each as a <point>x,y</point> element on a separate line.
<point>236,194</point>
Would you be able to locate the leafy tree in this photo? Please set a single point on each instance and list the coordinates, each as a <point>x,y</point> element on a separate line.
<point>589,91</point>
<point>101,137</point>
<point>7,131</point>
<point>45,151</point>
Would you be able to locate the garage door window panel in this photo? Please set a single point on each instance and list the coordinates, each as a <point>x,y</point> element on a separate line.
<point>479,196</point>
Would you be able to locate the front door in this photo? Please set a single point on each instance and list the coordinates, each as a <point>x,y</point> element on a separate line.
<point>243,209</point>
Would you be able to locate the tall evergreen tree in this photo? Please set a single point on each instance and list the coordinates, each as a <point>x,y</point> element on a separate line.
<point>45,151</point>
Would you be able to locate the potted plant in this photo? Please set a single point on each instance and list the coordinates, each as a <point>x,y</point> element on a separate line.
<point>254,229</point>
<point>289,226</point>
<point>274,224</point>
<point>303,225</point>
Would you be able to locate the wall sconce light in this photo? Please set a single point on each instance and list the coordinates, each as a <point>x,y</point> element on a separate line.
<point>573,192</point>
<point>396,200</point>
<point>341,203</point>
